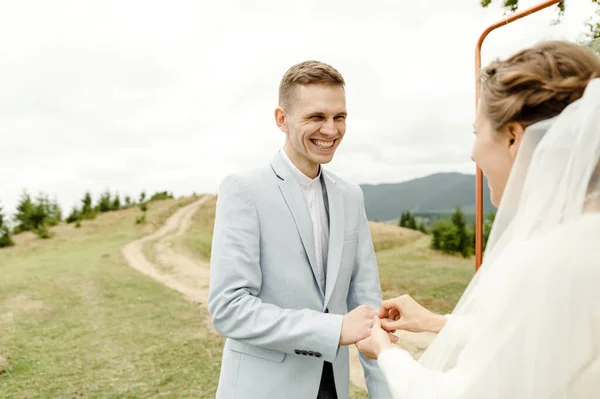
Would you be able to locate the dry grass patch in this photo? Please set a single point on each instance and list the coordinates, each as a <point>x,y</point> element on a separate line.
<point>386,236</point>
<point>22,304</point>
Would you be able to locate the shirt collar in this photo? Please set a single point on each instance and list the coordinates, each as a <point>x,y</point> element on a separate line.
<point>304,180</point>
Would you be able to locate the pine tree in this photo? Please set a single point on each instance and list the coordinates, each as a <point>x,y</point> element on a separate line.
<point>421,227</point>
<point>462,240</point>
<point>116,205</point>
<point>162,195</point>
<point>445,236</point>
<point>40,217</point>
<point>104,203</point>
<point>412,223</point>
<point>87,211</point>
<point>25,209</point>
<point>407,220</point>
<point>403,219</point>
<point>55,212</point>
<point>5,238</point>
<point>74,216</point>
<point>35,216</point>
<point>487,228</point>
<point>452,236</point>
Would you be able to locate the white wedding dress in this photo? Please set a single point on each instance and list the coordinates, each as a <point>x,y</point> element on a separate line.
<point>528,325</point>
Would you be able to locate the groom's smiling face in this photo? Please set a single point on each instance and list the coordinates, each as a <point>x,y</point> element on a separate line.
<point>315,123</point>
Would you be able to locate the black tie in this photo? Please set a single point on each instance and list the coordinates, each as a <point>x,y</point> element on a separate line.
<point>327,386</point>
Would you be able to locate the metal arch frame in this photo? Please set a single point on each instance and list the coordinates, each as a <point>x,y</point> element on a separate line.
<point>479,175</point>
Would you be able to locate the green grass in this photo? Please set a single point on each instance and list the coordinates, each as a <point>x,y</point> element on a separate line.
<point>198,239</point>
<point>430,277</point>
<point>76,321</point>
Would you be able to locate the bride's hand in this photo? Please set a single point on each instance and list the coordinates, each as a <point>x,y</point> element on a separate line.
<point>379,340</point>
<point>404,313</point>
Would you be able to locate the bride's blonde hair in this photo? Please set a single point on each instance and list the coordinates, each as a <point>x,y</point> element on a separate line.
<point>536,83</point>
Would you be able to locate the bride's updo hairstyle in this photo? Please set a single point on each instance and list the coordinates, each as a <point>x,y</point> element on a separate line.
<point>536,83</point>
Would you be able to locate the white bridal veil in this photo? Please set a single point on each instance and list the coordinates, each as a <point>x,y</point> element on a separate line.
<point>526,327</point>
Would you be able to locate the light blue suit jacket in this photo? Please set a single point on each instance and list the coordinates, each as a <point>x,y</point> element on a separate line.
<point>264,296</point>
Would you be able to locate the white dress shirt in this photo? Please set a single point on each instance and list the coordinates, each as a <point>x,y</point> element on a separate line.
<point>313,193</point>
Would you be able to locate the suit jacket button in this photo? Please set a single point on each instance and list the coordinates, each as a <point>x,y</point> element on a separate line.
<point>310,353</point>
<point>297,352</point>
<point>318,354</point>
<point>305,353</point>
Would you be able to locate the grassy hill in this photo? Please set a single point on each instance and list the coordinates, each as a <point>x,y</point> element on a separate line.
<point>435,194</point>
<point>77,321</point>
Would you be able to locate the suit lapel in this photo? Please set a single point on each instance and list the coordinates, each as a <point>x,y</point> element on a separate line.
<point>294,198</point>
<point>336,234</point>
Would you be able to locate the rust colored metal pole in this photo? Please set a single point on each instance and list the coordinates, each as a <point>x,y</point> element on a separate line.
<point>479,175</point>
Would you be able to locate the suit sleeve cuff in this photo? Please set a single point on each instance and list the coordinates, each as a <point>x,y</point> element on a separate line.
<point>321,339</point>
<point>325,344</point>
<point>334,330</point>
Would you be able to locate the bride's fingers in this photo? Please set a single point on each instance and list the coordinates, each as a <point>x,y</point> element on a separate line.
<point>393,338</point>
<point>386,323</point>
<point>386,307</point>
<point>391,325</point>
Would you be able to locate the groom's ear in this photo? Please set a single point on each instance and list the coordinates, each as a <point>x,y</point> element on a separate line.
<point>515,132</point>
<point>281,119</point>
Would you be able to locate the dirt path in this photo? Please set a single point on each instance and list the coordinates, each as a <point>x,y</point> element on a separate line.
<point>190,276</point>
<point>175,270</point>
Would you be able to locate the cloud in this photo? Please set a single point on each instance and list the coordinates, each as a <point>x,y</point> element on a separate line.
<point>147,95</point>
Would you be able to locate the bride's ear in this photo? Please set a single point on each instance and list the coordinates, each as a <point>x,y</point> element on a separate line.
<point>515,133</point>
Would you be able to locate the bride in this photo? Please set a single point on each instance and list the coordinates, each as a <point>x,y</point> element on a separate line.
<point>528,324</point>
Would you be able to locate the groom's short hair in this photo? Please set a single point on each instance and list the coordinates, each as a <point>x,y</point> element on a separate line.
<point>305,73</point>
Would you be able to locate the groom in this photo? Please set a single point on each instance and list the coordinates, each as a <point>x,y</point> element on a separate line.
<point>293,277</point>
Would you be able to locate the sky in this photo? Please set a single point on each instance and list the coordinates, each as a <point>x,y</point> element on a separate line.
<point>155,95</point>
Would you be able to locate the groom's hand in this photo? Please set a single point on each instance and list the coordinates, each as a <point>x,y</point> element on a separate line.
<point>357,324</point>
<point>377,342</point>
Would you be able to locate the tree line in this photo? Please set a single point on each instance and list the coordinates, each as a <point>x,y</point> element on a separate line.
<point>40,213</point>
<point>450,235</point>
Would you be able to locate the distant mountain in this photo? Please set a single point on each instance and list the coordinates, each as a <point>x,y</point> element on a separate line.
<point>439,193</point>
